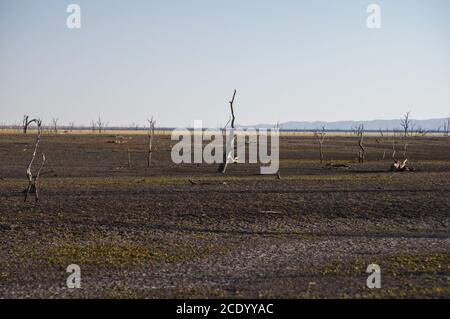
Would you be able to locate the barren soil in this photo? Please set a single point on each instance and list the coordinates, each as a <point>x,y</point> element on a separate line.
<point>188,231</point>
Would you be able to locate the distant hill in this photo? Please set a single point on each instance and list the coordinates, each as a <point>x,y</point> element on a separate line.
<point>374,125</point>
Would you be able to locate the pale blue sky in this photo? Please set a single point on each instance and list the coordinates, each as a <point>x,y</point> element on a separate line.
<point>181,60</point>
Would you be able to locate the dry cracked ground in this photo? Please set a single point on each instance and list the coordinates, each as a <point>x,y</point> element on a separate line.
<point>185,231</point>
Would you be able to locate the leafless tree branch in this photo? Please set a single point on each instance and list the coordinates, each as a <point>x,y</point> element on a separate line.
<point>406,123</point>
<point>26,123</point>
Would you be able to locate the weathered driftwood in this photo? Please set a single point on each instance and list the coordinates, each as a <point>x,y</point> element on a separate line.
<point>399,165</point>
<point>203,182</point>
<point>332,165</point>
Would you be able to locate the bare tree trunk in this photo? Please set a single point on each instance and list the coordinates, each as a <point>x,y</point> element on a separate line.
<point>151,134</point>
<point>36,180</point>
<point>100,125</point>
<point>321,152</point>
<point>320,136</point>
<point>393,149</point>
<point>229,147</point>
<point>55,125</point>
<point>362,152</point>
<point>406,123</point>
<point>400,165</point>
<point>26,123</point>
<point>129,158</point>
<point>33,180</point>
<point>447,128</point>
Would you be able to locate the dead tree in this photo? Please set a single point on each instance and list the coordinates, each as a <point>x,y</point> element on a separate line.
<point>55,125</point>
<point>380,141</point>
<point>151,134</point>
<point>320,136</point>
<point>129,158</point>
<point>406,123</point>
<point>224,129</point>
<point>26,123</point>
<point>34,179</point>
<point>447,127</point>
<point>228,154</point>
<point>393,148</point>
<point>399,165</point>
<point>100,125</point>
<point>421,131</point>
<point>362,151</point>
<point>71,126</point>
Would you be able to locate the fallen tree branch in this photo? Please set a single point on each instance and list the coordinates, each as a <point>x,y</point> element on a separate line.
<point>271,212</point>
<point>399,165</point>
<point>332,165</point>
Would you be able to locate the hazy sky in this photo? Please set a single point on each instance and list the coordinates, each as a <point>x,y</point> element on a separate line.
<point>181,60</point>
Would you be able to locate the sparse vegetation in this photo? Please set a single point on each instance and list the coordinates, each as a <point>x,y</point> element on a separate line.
<point>154,233</point>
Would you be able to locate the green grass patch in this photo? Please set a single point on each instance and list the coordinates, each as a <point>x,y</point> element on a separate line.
<point>396,265</point>
<point>111,251</point>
